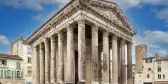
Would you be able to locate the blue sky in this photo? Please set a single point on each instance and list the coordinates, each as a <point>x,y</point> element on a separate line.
<point>22,17</point>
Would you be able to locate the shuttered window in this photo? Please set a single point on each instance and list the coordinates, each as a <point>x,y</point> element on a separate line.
<point>22,74</point>
<point>2,73</point>
<point>8,74</point>
<point>18,65</point>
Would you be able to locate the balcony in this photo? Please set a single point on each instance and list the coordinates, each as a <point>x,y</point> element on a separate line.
<point>3,66</point>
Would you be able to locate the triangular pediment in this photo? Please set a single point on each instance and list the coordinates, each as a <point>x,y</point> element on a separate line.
<point>112,12</point>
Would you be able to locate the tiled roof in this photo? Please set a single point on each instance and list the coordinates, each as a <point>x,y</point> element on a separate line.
<point>162,59</point>
<point>7,56</point>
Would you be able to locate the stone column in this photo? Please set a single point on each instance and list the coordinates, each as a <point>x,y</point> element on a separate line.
<point>106,58</point>
<point>94,55</point>
<point>46,61</point>
<point>52,63</point>
<point>60,71</point>
<point>115,60</point>
<point>123,68</point>
<point>70,56</point>
<point>42,64</point>
<point>81,52</point>
<point>129,62</point>
<point>36,62</point>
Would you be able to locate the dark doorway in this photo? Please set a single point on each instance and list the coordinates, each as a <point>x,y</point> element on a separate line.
<point>147,83</point>
<point>76,67</point>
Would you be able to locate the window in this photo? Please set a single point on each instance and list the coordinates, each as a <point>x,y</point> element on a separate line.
<point>9,74</point>
<point>159,76</point>
<point>149,69</point>
<point>18,74</point>
<point>148,76</point>
<point>149,60</point>
<point>4,62</point>
<point>29,70</point>
<point>29,59</point>
<point>163,76</point>
<point>28,82</point>
<point>158,62</point>
<point>18,65</point>
<point>159,68</point>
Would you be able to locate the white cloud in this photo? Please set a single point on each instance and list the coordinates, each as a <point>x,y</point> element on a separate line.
<point>44,16</point>
<point>31,4</point>
<point>126,4</point>
<point>163,15</point>
<point>4,40</point>
<point>156,40</point>
<point>155,2</point>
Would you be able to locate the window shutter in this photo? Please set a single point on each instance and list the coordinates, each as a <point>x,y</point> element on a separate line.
<point>12,73</point>
<point>15,74</point>
<point>22,74</point>
<point>5,73</point>
<point>2,73</point>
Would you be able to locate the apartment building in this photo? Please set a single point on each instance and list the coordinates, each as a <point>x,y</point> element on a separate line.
<point>150,70</point>
<point>11,71</point>
<point>23,50</point>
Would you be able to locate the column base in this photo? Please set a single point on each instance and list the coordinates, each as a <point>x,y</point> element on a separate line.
<point>106,83</point>
<point>70,83</point>
<point>60,82</point>
<point>114,83</point>
<point>81,82</point>
<point>95,82</point>
<point>47,82</point>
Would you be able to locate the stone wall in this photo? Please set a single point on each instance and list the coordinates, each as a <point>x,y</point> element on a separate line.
<point>12,81</point>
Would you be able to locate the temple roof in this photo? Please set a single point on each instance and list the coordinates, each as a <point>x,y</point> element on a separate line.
<point>109,11</point>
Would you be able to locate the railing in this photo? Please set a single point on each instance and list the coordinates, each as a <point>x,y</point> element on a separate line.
<point>3,66</point>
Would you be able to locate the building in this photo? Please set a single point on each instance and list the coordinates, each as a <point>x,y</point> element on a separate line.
<point>153,70</point>
<point>67,48</point>
<point>161,72</point>
<point>22,49</point>
<point>141,52</point>
<point>11,71</point>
